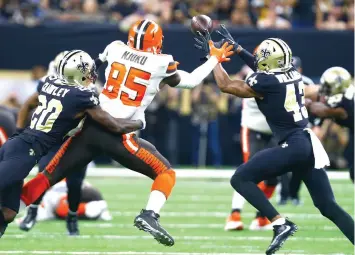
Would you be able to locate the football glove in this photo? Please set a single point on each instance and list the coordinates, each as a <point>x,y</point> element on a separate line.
<point>227,37</point>
<point>202,43</point>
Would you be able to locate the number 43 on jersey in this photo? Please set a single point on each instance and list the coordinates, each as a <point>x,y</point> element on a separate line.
<point>291,104</point>
<point>127,85</point>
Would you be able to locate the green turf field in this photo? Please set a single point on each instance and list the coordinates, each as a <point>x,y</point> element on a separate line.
<point>194,215</point>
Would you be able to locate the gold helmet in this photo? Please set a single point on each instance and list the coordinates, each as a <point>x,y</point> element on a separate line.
<point>77,68</point>
<point>335,80</point>
<point>273,55</point>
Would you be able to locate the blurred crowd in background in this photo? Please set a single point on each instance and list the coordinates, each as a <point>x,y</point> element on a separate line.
<point>275,14</point>
<point>199,127</point>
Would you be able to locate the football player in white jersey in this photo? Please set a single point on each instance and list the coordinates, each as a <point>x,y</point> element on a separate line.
<point>135,74</point>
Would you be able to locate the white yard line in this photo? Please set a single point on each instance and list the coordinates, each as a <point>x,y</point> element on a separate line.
<point>44,235</point>
<point>179,226</point>
<point>218,214</point>
<point>184,173</point>
<point>135,253</point>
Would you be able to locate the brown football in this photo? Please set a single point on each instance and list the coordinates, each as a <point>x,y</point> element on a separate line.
<point>201,23</point>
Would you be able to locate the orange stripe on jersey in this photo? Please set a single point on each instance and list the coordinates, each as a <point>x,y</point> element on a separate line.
<point>172,67</point>
<point>245,144</point>
<point>3,136</point>
<point>56,159</point>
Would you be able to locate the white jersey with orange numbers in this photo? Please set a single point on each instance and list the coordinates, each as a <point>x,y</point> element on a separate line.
<point>132,79</point>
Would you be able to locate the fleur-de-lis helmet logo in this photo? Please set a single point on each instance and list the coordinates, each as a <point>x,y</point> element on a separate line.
<point>83,67</point>
<point>265,53</point>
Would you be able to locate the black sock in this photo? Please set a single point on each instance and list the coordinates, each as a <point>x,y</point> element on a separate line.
<point>251,192</point>
<point>74,195</point>
<point>3,223</point>
<point>342,219</point>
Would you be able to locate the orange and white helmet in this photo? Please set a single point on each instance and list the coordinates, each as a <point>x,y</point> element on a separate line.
<point>146,35</point>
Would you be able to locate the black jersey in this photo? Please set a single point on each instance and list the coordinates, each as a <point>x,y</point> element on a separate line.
<point>345,101</point>
<point>58,112</point>
<point>283,101</point>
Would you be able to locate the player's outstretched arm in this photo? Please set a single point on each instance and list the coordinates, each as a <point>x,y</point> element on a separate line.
<point>121,126</point>
<point>234,87</point>
<point>321,110</point>
<point>185,80</point>
<point>25,110</point>
<point>245,55</point>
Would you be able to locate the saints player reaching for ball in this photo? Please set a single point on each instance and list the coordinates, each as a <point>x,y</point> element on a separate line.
<point>280,94</point>
<point>135,73</point>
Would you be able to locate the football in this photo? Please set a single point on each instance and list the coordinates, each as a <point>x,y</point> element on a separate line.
<point>200,23</point>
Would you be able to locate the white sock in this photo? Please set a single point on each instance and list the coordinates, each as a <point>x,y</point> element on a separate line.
<point>279,221</point>
<point>22,206</point>
<point>156,201</point>
<point>237,201</point>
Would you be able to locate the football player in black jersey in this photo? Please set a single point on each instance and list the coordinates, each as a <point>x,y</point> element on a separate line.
<point>280,94</point>
<point>73,181</point>
<point>64,102</point>
<point>7,124</point>
<point>337,94</point>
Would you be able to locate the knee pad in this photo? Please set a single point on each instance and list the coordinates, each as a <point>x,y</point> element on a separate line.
<point>165,182</point>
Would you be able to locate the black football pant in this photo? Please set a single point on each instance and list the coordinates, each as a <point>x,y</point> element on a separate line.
<point>296,154</point>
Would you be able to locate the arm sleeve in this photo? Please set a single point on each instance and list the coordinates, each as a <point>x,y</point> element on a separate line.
<point>191,80</point>
<point>87,99</point>
<point>248,58</point>
<point>261,83</point>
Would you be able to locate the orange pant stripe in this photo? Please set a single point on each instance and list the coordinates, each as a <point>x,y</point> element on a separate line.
<point>56,159</point>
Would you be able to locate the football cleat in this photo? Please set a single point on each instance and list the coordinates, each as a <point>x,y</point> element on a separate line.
<point>282,201</point>
<point>260,223</point>
<point>148,221</point>
<point>234,222</point>
<point>30,219</point>
<point>72,224</point>
<point>2,230</point>
<point>296,202</point>
<point>281,234</point>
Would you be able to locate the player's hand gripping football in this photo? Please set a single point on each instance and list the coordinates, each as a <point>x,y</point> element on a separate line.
<point>227,37</point>
<point>209,47</point>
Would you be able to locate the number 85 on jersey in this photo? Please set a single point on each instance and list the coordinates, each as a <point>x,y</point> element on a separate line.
<point>128,85</point>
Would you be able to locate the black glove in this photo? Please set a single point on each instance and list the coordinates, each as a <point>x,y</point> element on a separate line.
<point>227,37</point>
<point>202,43</point>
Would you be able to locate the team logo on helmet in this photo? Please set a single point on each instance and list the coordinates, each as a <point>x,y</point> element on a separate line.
<point>83,66</point>
<point>265,53</point>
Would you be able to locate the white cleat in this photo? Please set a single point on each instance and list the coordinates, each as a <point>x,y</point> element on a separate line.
<point>234,222</point>
<point>260,224</point>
